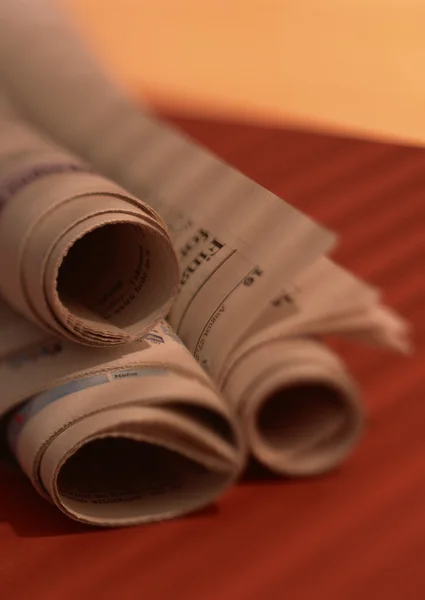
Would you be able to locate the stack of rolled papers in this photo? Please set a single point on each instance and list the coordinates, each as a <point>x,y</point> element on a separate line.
<point>140,432</point>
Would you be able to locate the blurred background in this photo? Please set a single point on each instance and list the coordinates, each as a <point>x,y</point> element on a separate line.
<point>340,65</point>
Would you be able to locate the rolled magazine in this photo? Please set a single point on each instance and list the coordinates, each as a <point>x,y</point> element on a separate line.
<point>79,256</point>
<point>257,293</point>
<point>116,436</point>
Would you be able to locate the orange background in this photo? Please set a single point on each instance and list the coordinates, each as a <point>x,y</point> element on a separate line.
<point>345,64</point>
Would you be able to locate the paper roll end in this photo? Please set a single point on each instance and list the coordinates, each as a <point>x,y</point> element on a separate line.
<point>119,481</point>
<point>307,428</point>
<point>114,282</point>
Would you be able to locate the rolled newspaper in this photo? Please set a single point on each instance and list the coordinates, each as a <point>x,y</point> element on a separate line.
<point>236,242</point>
<point>300,408</point>
<point>79,256</point>
<point>116,437</point>
<point>241,251</point>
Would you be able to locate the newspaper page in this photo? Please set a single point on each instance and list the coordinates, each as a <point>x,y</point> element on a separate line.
<point>78,255</point>
<point>117,436</point>
<point>256,292</point>
<point>237,243</point>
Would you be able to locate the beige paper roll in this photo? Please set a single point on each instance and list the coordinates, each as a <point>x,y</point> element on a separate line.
<point>78,255</point>
<point>300,408</point>
<point>116,436</point>
<point>150,446</point>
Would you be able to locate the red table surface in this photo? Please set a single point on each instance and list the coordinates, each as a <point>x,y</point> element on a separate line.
<point>357,533</point>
